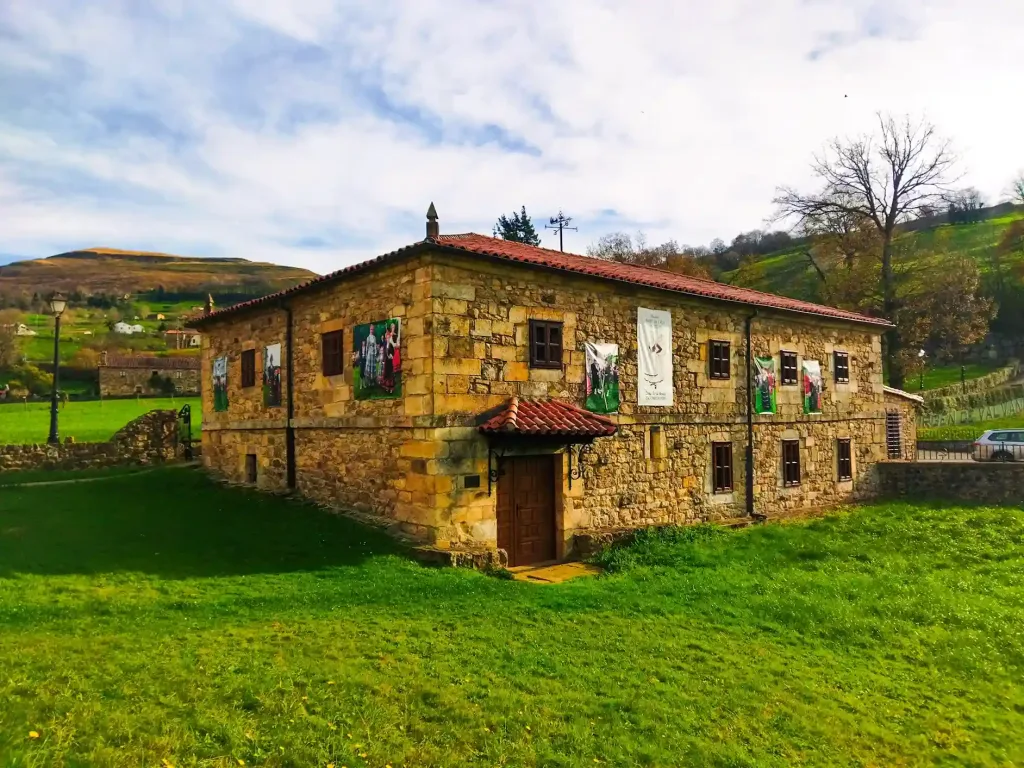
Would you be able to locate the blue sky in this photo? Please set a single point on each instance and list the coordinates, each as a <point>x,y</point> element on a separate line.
<point>316,133</point>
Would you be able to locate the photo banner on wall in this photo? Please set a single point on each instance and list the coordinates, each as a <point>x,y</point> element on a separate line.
<point>220,384</point>
<point>654,357</point>
<point>272,375</point>
<point>602,377</point>
<point>377,374</point>
<point>764,385</point>
<point>812,386</point>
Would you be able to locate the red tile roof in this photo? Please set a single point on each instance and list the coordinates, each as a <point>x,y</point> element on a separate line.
<point>545,258</point>
<point>181,363</point>
<point>547,418</point>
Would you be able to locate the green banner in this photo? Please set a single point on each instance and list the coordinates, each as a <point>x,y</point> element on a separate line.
<point>765,382</point>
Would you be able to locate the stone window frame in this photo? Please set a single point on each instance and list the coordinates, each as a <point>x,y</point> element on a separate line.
<point>248,361</point>
<point>552,351</point>
<point>332,361</point>
<point>722,467</point>
<point>844,473</point>
<point>720,364</point>
<point>843,358</point>
<point>791,470</point>
<point>783,379</point>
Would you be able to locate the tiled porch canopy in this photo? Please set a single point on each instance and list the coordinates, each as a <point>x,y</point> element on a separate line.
<point>547,418</point>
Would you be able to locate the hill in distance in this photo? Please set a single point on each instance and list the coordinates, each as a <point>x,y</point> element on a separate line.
<point>109,271</point>
<point>789,273</point>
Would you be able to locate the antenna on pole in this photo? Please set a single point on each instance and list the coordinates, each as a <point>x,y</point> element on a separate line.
<point>560,222</point>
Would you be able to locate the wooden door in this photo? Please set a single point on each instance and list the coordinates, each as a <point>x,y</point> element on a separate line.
<point>526,509</point>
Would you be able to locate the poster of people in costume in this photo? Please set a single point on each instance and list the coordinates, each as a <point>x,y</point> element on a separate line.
<point>272,375</point>
<point>602,377</point>
<point>654,357</point>
<point>812,386</point>
<point>377,373</point>
<point>220,384</point>
<point>764,384</point>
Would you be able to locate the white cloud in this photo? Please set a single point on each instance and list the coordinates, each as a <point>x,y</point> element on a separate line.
<point>266,123</point>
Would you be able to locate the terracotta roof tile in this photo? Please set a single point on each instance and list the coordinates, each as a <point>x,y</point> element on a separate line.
<point>568,262</point>
<point>547,417</point>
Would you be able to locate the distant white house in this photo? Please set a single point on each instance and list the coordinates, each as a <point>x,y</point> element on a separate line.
<point>128,330</point>
<point>24,330</point>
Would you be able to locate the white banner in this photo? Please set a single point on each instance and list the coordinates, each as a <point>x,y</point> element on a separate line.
<point>654,357</point>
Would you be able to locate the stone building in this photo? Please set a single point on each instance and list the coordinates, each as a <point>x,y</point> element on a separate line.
<point>138,374</point>
<point>475,433</point>
<point>182,339</point>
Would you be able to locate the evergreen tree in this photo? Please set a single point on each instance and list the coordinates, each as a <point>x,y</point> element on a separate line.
<point>518,228</point>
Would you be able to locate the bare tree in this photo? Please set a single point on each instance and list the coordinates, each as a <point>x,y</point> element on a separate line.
<point>882,181</point>
<point>1017,189</point>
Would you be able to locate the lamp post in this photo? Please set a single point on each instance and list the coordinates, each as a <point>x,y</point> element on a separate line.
<point>57,305</point>
<point>921,356</point>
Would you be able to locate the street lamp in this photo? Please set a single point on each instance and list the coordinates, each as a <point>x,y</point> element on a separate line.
<point>921,356</point>
<point>57,305</point>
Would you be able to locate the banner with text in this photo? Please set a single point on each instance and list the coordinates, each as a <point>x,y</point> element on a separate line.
<point>654,357</point>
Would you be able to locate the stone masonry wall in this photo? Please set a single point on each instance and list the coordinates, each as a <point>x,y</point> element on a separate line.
<point>972,482</point>
<point>481,329</point>
<point>128,381</point>
<point>365,455</point>
<point>150,439</point>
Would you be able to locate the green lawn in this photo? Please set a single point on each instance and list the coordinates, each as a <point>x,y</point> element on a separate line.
<point>163,619</point>
<point>947,376</point>
<point>88,422</point>
<point>970,431</point>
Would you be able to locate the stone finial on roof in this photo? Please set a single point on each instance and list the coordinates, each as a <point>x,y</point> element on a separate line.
<point>433,230</point>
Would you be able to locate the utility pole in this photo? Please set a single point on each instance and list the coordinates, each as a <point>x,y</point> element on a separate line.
<point>560,222</point>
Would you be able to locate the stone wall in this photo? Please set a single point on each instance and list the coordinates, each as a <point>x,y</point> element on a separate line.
<point>973,482</point>
<point>150,439</point>
<point>481,330</point>
<point>129,381</point>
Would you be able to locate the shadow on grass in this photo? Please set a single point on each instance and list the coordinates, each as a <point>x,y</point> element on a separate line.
<point>174,523</point>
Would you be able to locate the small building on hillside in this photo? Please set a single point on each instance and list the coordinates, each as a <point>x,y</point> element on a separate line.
<point>148,375</point>
<point>186,339</point>
<point>24,330</point>
<point>127,329</point>
<point>479,394</point>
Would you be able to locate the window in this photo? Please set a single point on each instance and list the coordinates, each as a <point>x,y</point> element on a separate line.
<point>721,454</point>
<point>790,463</point>
<point>1000,437</point>
<point>250,468</point>
<point>893,438</point>
<point>841,363</point>
<point>844,453</point>
<point>249,368</point>
<point>719,356</point>
<point>788,368</point>
<point>545,344</point>
<point>331,350</point>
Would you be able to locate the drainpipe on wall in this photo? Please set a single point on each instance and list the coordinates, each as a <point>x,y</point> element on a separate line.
<point>289,430</point>
<point>750,423</point>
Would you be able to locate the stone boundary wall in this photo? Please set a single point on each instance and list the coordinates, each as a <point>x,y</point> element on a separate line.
<point>150,439</point>
<point>974,482</point>
<point>976,393</point>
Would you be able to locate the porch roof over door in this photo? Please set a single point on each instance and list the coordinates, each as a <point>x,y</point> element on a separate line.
<point>546,418</point>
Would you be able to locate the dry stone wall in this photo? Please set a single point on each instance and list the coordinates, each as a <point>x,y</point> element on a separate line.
<point>150,439</point>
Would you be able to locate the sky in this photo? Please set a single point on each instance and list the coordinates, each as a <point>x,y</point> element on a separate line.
<point>316,133</point>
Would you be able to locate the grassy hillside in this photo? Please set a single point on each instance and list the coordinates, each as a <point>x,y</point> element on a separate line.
<point>790,274</point>
<point>110,271</point>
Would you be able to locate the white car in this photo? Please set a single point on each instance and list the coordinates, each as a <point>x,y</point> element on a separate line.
<point>1000,445</point>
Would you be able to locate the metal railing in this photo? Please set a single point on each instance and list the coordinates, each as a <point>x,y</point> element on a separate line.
<point>971,451</point>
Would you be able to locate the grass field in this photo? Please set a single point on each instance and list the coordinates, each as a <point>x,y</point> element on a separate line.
<point>947,376</point>
<point>88,422</point>
<point>162,619</point>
